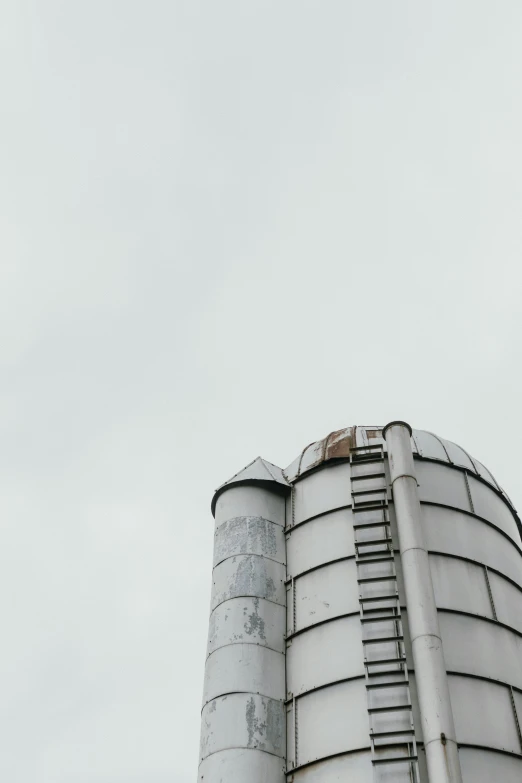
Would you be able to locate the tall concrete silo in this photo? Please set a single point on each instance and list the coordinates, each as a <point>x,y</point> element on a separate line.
<point>366,618</point>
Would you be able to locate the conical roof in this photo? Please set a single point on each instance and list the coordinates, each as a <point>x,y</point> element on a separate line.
<point>258,472</point>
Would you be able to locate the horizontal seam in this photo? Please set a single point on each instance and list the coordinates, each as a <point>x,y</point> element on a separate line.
<point>231,598</point>
<point>238,693</point>
<point>248,554</point>
<point>251,644</point>
<point>448,610</point>
<point>242,597</point>
<point>480,563</point>
<point>404,475</point>
<point>490,748</point>
<point>364,749</point>
<point>346,507</point>
<point>241,747</point>
<point>438,739</point>
<point>321,565</point>
<point>423,635</point>
<point>306,628</point>
<point>475,516</point>
<point>247,516</point>
<point>327,685</point>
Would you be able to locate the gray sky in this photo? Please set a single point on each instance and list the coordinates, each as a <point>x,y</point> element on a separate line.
<point>227,228</point>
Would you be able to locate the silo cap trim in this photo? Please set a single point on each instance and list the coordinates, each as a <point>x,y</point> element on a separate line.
<point>260,472</point>
<point>395,423</point>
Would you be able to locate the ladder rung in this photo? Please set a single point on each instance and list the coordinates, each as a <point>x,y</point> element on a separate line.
<point>369,476</point>
<point>368,579</point>
<point>369,447</point>
<point>373,542</point>
<point>370,505</point>
<point>399,684</point>
<point>382,661</point>
<point>395,759</point>
<point>390,708</point>
<point>375,598</point>
<point>391,618</point>
<point>383,639</point>
<point>359,492</point>
<point>386,672</point>
<point>362,525</point>
<point>396,733</point>
<point>369,456</point>
<point>376,610</point>
<point>368,559</point>
<point>366,613</point>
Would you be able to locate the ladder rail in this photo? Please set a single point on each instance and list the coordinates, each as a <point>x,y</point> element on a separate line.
<point>374,549</point>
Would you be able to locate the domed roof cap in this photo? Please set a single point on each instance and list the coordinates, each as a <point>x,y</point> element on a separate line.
<point>426,445</point>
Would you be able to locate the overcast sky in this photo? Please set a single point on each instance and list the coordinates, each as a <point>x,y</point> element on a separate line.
<point>227,228</point>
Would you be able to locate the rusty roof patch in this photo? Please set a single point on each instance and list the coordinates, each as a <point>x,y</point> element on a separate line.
<point>339,444</point>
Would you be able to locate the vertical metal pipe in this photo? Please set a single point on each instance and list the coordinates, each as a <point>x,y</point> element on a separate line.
<point>428,657</point>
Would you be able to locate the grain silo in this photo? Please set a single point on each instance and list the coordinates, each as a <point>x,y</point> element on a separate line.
<point>366,618</point>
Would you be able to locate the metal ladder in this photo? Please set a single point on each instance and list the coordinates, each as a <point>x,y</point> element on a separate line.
<point>392,733</point>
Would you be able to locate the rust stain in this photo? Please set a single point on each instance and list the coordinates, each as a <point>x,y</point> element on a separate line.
<point>340,443</point>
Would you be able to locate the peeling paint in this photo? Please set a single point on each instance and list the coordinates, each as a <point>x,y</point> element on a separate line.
<point>251,721</point>
<point>246,535</point>
<point>247,575</point>
<point>256,624</point>
<point>265,724</point>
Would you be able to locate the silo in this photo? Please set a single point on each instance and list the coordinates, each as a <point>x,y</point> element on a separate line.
<point>403,630</point>
<point>243,717</point>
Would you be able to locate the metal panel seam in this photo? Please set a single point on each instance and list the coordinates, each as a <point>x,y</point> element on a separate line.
<point>421,635</point>
<point>321,759</point>
<point>324,565</point>
<point>239,747</point>
<point>248,693</point>
<point>473,462</point>
<point>490,749</point>
<point>471,676</point>
<point>475,562</point>
<point>468,488</point>
<point>463,613</point>
<point>517,722</point>
<point>301,457</point>
<point>475,516</point>
<point>249,644</point>
<point>250,595</point>
<point>443,446</point>
<point>323,686</point>
<point>495,487</point>
<point>249,554</point>
<point>480,617</point>
<point>320,514</point>
<point>307,628</point>
<point>490,593</point>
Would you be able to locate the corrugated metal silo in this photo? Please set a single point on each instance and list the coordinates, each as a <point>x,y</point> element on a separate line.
<point>366,618</point>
